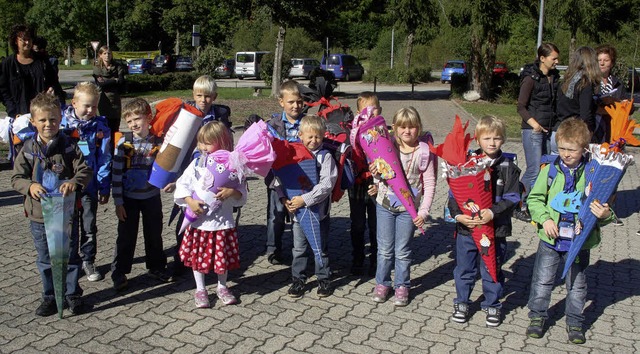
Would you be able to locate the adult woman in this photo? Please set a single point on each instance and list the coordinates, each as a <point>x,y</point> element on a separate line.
<point>536,106</point>
<point>575,97</point>
<point>23,75</point>
<point>109,76</point>
<point>611,89</point>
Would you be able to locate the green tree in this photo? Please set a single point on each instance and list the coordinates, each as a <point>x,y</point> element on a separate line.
<point>207,62</point>
<point>418,19</point>
<point>13,13</point>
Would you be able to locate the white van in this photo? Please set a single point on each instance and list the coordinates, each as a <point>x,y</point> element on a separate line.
<point>248,64</point>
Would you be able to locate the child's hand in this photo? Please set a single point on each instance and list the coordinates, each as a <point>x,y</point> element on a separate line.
<point>103,199</point>
<point>169,188</point>
<point>67,187</point>
<point>550,228</point>
<point>35,190</point>
<point>373,189</point>
<point>486,215</point>
<point>601,211</point>
<point>294,204</point>
<point>466,220</point>
<point>418,221</point>
<point>373,169</point>
<point>195,205</point>
<point>121,213</point>
<point>226,193</point>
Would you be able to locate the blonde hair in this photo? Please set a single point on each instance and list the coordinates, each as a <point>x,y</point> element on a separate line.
<point>574,131</point>
<point>289,87</point>
<point>314,123</point>
<point>216,133</point>
<point>137,106</point>
<point>44,102</point>
<point>205,84</point>
<point>103,49</point>
<point>86,88</point>
<point>584,60</point>
<point>490,124</point>
<point>407,117</point>
<point>367,97</point>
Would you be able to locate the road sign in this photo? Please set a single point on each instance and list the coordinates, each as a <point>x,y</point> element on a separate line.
<point>195,36</point>
<point>95,44</point>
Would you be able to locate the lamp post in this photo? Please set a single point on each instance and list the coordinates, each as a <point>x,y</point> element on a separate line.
<point>106,4</point>
<point>540,25</point>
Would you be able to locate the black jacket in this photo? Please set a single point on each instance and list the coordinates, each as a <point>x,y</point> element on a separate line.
<point>542,104</point>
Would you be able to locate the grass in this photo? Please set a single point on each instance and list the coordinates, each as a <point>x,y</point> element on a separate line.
<point>506,112</point>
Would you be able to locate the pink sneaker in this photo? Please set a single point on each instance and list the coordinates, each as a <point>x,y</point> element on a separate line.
<point>380,293</point>
<point>202,299</point>
<point>401,297</point>
<point>226,296</point>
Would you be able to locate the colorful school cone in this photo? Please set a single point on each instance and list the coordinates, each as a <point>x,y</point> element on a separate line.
<point>621,126</point>
<point>602,175</point>
<point>252,155</point>
<point>57,212</point>
<point>469,177</point>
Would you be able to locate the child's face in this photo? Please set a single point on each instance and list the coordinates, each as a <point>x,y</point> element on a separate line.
<point>570,152</point>
<point>47,123</point>
<point>292,105</point>
<point>85,106</point>
<point>407,135</point>
<point>490,143</point>
<point>311,138</point>
<point>370,102</point>
<point>139,124</point>
<point>204,101</point>
<point>208,147</point>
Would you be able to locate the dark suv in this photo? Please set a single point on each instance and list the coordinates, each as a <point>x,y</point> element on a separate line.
<point>162,64</point>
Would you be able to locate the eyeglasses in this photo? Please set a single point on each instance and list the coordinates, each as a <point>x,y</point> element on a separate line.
<point>24,39</point>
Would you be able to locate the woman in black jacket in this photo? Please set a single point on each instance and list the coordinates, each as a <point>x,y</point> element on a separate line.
<point>109,76</point>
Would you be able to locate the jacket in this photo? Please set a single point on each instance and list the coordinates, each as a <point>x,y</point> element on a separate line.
<point>581,106</point>
<point>61,151</point>
<point>113,78</point>
<point>542,102</point>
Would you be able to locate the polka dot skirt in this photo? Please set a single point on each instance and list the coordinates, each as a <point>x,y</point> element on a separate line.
<point>206,250</point>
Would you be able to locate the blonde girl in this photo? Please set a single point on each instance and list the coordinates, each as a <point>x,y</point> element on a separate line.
<point>109,76</point>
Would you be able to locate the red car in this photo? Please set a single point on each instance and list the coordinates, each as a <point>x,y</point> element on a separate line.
<point>500,69</point>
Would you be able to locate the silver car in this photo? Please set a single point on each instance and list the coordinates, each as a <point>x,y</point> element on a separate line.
<point>302,67</point>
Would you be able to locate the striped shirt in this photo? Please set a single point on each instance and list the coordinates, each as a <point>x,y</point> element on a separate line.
<point>132,162</point>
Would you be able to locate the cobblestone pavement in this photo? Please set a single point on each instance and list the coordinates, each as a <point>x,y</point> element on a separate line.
<point>153,317</point>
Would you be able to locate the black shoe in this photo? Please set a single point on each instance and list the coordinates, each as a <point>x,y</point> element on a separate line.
<point>178,270</point>
<point>536,328</point>
<point>575,335</point>
<point>120,283</point>
<point>522,215</point>
<point>324,288</point>
<point>275,259</point>
<point>75,305</point>
<point>493,317</point>
<point>460,313</point>
<point>357,267</point>
<point>160,275</point>
<point>47,308</point>
<point>296,289</point>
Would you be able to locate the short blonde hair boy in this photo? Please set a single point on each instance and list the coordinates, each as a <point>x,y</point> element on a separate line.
<point>574,131</point>
<point>86,88</point>
<point>289,87</point>
<point>490,124</point>
<point>137,106</point>
<point>206,85</point>
<point>44,102</point>
<point>314,123</point>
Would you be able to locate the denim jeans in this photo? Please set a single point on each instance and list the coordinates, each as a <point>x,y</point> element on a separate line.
<point>544,274</point>
<point>276,214</point>
<point>88,229</point>
<point>535,145</point>
<point>43,262</point>
<point>362,209</point>
<point>395,231</point>
<point>553,146</point>
<point>466,270</point>
<point>155,259</point>
<point>301,251</point>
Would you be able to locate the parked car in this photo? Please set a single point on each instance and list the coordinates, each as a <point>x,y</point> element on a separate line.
<point>302,67</point>
<point>184,63</point>
<point>500,69</point>
<point>226,69</point>
<point>163,63</point>
<point>452,67</point>
<point>140,66</point>
<point>248,64</point>
<point>344,66</point>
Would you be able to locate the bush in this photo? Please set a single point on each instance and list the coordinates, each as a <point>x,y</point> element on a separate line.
<point>459,84</point>
<point>208,60</point>
<point>266,68</point>
<point>400,75</point>
<point>167,82</point>
<point>507,89</point>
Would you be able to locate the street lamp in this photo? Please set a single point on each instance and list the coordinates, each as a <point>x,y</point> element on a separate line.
<point>106,4</point>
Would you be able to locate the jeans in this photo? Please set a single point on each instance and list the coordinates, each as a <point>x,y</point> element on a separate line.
<point>43,262</point>
<point>362,209</point>
<point>276,214</point>
<point>464,274</point>
<point>301,250</point>
<point>395,231</point>
<point>553,145</point>
<point>88,229</point>
<point>544,274</point>
<point>535,145</point>
<point>155,258</point>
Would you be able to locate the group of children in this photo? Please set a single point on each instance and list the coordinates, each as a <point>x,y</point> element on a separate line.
<point>211,242</point>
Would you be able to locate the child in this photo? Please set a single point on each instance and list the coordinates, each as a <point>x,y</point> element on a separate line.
<point>312,129</point>
<point>213,234</point>
<point>395,227</point>
<point>132,195</point>
<point>362,206</point>
<point>490,135</point>
<point>286,125</point>
<point>50,150</point>
<point>556,231</point>
<point>94,139</point>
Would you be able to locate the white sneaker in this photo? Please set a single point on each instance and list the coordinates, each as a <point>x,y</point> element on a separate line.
<point>91,272</point>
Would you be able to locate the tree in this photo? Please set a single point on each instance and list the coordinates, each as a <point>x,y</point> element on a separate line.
<point>13,13</point>
<point>417,18</point>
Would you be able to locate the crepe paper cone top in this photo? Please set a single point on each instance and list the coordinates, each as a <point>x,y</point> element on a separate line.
<point>622,126</point>
<point>456,144</point>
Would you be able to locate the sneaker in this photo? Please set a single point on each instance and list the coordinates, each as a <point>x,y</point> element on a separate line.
<point>47,308</point>
<point>225,295</point>
<point>120,283</point>
<point>160,275</point>
<point>296,289</point>
<point>638,233</point>
<point>460,313</point>
<point>401,296</point>
<point>617,222</point>
<point>575,335</point>
<point>201,299</point>
<point>493,318</point>
<point>275,259</point>
<point>522,215</point>
<point>380,293</point>
<point>324,288</point>
<point>91,272</point>
<point>536,328</point>
<point>75,304</point>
